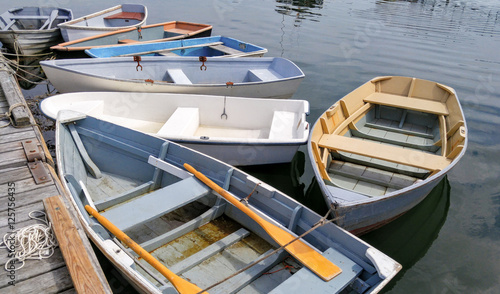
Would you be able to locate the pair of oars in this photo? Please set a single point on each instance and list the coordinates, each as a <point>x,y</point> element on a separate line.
<point>309,257</point>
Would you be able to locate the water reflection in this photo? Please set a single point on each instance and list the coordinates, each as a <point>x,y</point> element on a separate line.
<point>408,238</point>
<point>300,9</point>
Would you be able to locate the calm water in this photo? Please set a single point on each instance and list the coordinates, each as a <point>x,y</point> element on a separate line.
<point>451,242</point>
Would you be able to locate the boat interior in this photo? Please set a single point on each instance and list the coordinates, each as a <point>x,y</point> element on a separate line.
<point>387,135</point>
<point>183,224</point>
<point>33,18</point>
<point>206,119</point>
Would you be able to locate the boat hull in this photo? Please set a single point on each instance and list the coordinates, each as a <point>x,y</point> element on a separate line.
<point>248,154</point>
<point>30,42</point>
<point>133,80</point>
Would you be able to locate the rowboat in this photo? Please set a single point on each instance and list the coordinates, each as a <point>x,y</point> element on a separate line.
<point>215,46</point>
<point>382,148</point>
<point>160,32</point>
<point>31,30</point>
<point>238,131</point>
<point>161,199</point>
<point>265,77</point>
<point>118,17</point>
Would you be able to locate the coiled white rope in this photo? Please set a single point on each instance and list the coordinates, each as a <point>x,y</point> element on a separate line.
<point>32,242</point>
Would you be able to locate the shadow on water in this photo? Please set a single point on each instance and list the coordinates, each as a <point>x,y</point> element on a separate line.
<point>408,238</point>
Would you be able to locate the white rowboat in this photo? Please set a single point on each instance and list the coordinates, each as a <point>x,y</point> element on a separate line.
<point>265,77</point>
<point>238,131</point>
<point>111,19</point>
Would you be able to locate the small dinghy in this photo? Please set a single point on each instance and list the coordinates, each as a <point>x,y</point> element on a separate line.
<point>31,30</point>
<point>190,222</point>
<point>160,32</point>
<point>238,131</point>
<point>265,77</point>
<point>119,17</point>
<point>215,46</point>
<point>382,148</point>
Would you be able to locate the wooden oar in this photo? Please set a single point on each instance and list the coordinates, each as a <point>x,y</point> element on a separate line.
<point>171,49</point>
<point>309,257</point>
<point>179,283</point>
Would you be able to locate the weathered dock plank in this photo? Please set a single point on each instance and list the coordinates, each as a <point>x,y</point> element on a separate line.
<point>54,281</point>
<point>14,97</point>
<point>82,269</point>
<point>20,194</point>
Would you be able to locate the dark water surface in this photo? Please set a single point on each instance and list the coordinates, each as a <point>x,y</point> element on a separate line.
<point>450,243</point>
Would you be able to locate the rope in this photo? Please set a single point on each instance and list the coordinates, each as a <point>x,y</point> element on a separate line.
<point>18,68</point>
<point>8,115</point>
<point>320,223</point>
<point>31,242</point>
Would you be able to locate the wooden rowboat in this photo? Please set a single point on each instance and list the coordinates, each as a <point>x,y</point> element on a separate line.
<point>265,77</point>
<point>215,46</point>
<point>189,238</point>
<point>160,32</point>
<point>31,30</point>
<point>118,17</point>
<point>238,131</point>
<point>381,149</point>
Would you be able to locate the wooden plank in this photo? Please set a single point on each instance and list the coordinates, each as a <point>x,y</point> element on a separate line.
<point>11,134</point>
<point>31,197</point>
<point>226,49</point>
<point>126,15</point>
<point>51,282</point>
<point>422,105</point>
<point>208,252</point>
<point>33,268</point>
<point>241,280</point>
<point>14,174</point>
<point>384,152</point>
<point>350,119</point>
<point>82,270</point>
<point>8,82</point>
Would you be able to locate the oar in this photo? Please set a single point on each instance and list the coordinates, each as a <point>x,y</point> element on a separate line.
<point>309,257</point>
<point>179,283</point>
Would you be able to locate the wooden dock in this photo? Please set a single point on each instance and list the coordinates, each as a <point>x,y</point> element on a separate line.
<point>27,182</point>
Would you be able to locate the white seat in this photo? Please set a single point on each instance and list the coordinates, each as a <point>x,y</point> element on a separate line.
<point>183,122</point>
<point>178,76</point>
<point>282,126</point>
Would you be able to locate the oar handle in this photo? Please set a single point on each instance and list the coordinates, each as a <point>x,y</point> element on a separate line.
<point>179,283</point>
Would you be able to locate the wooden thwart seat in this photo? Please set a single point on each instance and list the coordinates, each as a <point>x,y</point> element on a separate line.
<point>156,203</point>
<point>126,15</point>
<point>384,152</point>
<point>225,49</point>
<point>411,103</point>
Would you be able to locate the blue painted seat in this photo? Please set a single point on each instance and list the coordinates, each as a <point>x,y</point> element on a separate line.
<point>156,203</point>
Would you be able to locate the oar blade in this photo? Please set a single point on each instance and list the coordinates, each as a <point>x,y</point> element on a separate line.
<point>309,257</point>
<point>306,255</point>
